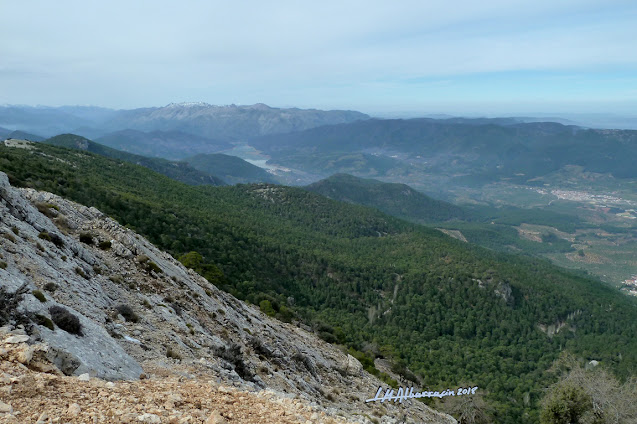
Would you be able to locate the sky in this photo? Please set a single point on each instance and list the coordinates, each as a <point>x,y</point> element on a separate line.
<point>380,57</point>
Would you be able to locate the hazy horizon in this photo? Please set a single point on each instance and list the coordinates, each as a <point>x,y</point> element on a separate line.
<point>381,58</point>
<point>592,119</point>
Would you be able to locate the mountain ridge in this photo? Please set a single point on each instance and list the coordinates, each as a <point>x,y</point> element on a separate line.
<point>179,171</point>
<point>228,122</point>
<point>225,123</point>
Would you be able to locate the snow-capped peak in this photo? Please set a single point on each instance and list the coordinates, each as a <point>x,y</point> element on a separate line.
<point>189,104</point>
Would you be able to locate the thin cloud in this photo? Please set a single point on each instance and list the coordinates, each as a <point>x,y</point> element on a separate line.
<point>129,54</point>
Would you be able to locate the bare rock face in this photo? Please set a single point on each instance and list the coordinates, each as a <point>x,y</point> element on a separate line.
<point>138,305</point>
<point>505,292</point>
<point>37,253</point>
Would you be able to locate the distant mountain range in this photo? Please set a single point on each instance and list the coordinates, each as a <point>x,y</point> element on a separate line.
<point>45,121</point>
<point>200,119</point>
<point>228,122</point>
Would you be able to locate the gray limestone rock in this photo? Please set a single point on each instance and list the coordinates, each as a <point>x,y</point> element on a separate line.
<point>95,352</point>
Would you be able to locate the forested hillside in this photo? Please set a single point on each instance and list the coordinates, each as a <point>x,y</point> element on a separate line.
<point>179,171</point>
<point>486,226</point>
<point>486,148</point>
<point>453,313</point>
<point>398,200</point>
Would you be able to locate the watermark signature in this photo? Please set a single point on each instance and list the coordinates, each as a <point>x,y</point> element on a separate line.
<point>404,394</point>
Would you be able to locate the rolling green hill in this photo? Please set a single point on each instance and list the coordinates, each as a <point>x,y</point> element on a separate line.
<point>231,169</point>
<point>454,313</point>
<point>179,171</point>
<point>398,200</point>
<point>490,227</point>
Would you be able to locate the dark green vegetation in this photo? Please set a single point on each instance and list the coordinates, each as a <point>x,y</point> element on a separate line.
<point>398,200</point>
<point>505,238</point>
<point>483,150</point>
<point>508,215</point>
<point>494,228</point>
<point>127,312</point>
<point>39,295</point>
<point>66,320</point>
<point>454,313</point>
<point>497,228</point>
<point>567,405</point>
<point>231,169</point>
<point>588,393</point>
<point>12,315</point>
<point>179,171</point>
<point>212,169</point>
<point>560,172</point>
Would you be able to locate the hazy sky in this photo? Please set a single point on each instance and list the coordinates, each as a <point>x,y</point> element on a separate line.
<point>383,57</point>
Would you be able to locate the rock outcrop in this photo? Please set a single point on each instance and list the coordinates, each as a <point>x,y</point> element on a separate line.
<point>38,253</point>
<point>32,396</point>
<point>144,314</point>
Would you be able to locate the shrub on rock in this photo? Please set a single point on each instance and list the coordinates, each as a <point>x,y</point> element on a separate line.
<point>86,238</point>
<point>127,312</point>
<point>65,320</point>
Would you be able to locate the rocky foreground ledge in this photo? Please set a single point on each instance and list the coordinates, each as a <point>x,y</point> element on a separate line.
<point>156,341</point>
<point>32,396</point>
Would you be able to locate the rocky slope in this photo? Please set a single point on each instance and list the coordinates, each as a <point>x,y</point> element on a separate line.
<point>143,314</point>
<point>32,396</point>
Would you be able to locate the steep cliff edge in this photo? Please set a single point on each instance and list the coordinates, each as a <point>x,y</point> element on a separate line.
<point>140,311</point>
